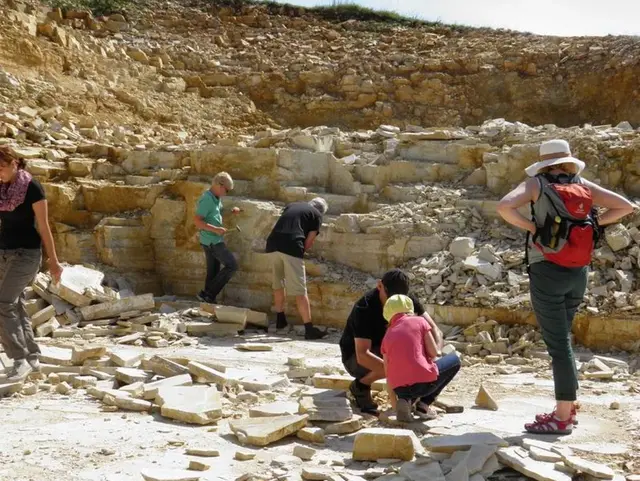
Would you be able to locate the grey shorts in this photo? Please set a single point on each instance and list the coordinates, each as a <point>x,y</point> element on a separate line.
<point>356,370</point>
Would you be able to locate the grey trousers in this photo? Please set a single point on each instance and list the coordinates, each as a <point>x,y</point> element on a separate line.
<point>556,294</point>
<point>18,268</point>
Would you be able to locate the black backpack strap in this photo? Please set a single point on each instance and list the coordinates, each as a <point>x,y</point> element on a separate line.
<point>528,236</point>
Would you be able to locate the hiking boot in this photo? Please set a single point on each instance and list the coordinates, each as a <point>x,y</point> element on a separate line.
<point>20,370</point>
<point>204,297</point>
<point>312,333</point>
<point>35,364</point>
<point>362,396</point>
<point>403,411</point>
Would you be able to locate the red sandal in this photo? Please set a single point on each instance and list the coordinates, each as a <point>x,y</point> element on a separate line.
<point>551,425</point>
<point>545,418</point>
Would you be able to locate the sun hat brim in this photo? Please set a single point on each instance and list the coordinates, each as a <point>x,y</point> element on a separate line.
<point>533,169</point>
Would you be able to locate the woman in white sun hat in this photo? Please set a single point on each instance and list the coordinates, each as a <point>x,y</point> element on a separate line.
<point>560,240</point>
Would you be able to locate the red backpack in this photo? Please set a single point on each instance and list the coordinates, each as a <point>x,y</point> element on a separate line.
<point>567,229</point>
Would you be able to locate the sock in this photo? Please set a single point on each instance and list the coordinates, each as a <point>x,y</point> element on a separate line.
<point>281,320</point>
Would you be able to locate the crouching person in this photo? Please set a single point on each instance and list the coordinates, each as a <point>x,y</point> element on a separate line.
<point>415,377</point>
<point>294,234</point>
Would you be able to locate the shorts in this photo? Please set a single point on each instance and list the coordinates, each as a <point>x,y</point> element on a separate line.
<point>356,370</point>
<point>288,273</point>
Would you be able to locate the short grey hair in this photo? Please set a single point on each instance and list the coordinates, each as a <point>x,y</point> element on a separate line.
<point>319,204</point>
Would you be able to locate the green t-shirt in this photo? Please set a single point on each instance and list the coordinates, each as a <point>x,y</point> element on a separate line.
<point>210,209</point>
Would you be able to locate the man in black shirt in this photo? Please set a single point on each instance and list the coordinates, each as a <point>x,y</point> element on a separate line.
<point>362,337</point>
<point>294,234</point>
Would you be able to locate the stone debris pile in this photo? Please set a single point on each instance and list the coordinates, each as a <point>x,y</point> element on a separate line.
<point>81,305</point>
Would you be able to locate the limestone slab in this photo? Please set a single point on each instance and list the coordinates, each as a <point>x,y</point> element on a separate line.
<point>10,388</point>
<point>132,404</point>
<point>190,404</point>
<point>80,354</point>
<point>115,308</point>
<point>264,431</point>
<point>537,470</point>
<point>321,408</point>
<point>213,329</point>
<point>485,400</point>
<point>166,474</point>
<point>254,346</point>
<point>450,444</point>
<point>203,452</point>
<point>46,328</point>
<point>258,382</point>
<point>345,427</point>
<point>543,455</point>
<point>125,357</point>
<point>59,356</point>
<point>377,443</point>
<point>597,470</point>
<point>341,383</point>
<point>278,408</point>
<point>165,367</point>
<point>208,374</point>
<point>73,283</point>
<point>135,389</point>
<point>150,390</point>
<point>422,472</point>
<point>477,457</point>
<point>43,316</point>
<point>312,435</point>
<point>129,375</point>
<point>227,314</point>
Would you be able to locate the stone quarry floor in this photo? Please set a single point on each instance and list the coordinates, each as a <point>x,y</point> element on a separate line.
<point>51,437</point>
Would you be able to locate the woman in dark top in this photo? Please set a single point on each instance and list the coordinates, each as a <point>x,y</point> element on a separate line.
<point>24,228</point>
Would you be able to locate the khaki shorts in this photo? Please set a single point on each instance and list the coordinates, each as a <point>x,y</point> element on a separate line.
<point>288,272</point>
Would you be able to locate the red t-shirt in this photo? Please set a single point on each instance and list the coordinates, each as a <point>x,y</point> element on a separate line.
<point>404,350</point>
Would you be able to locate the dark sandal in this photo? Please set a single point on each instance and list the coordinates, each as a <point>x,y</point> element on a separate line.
<point>552,426</point>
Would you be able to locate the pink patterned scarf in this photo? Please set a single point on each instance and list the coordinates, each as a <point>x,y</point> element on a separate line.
<point>13,194</point>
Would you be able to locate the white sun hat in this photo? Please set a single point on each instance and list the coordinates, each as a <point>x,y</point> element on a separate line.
<point>554,152</point>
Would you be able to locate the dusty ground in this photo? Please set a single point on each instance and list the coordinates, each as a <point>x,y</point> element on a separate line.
<point>50,437</point>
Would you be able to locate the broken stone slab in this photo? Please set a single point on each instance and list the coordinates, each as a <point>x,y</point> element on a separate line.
<point>257,318</point>
<point>256,382</point>
<point>254,346</point>
<point>56,355</point>
<point>136,389</point>
<point>208,374</point>
<point>345,427</point>
<point>129,375</point>
<point>214,329</point>
<point>80,382</point>
<point>150,390</point>
<point>451,444</point>
<point>198,466</point>
<point>125,357</point>
<point>202,452</point>
<point>537,470</point>
<point>304,452</point>
<point>278,408</point>
<point>484,400</point>
<point>114,308</point>
<point>449,405</point>
<point>422,472</point>
<point>540,454</point>
<point>264,431</point>
<point>43,316</point>
<point>164,367</point>
<point>372,444</point>
<point>335,409</point>
<point>10,388</point>
<point>226,314</point>
<point>476,458</point>
<point>75,280</point>
<point>166,474</point>
<point>45,329</point>
<point>312,434</point>
<point>458,473</point>
<point>316,474</point>
<point>341,383</point>
<point>80,354</point>
<point>131,404</point>
<point>190,404</point>
<point>597,470</point>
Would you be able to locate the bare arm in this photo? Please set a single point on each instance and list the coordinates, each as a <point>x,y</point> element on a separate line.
<point>510,203</point>
<point>435,330</point>
<point>41,211</point>
<point>365,357</point>
<point>311,238</point>
<point>202,225</point>
<point>393,399</point>
<point>431,349</point>
<point>616,205</point>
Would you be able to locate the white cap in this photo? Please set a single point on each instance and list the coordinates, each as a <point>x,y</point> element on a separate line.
<point>554,152</point>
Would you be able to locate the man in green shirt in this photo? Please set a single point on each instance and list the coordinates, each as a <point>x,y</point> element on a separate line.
<point>208,220</point>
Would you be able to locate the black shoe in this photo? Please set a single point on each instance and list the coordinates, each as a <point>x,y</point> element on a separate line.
<point>362,397</point>
<point>312,333</point>
<point>204,297</point>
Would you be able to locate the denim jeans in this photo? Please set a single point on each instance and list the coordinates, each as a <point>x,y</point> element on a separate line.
<point>448,367</point>
<point>216,255</point>
<point>18,268</point>
<point>556,293</point>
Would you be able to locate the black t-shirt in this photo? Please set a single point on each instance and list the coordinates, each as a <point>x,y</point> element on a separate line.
<point>366,321</point>
<point>292,228</point>
<point>18,227</point>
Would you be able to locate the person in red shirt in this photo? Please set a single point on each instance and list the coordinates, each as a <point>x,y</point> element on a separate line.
<point>415,375</point>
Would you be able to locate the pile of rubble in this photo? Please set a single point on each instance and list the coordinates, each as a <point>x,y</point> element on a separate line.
<point>260,408</point>
<point>80,305</point>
